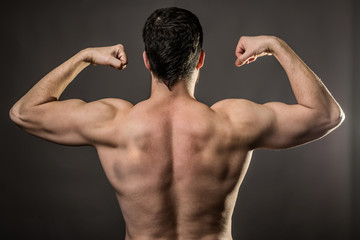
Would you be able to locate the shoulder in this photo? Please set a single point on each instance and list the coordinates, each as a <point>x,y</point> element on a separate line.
<point>237,107</point>
<point>115,103</point>
<point>248,119</point>
<point>103,110</point>
<point>112,106</point>
<point>99,120</point>
<point>226,103</point>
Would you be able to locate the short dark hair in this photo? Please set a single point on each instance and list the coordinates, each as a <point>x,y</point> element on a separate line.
<point>173,43</point>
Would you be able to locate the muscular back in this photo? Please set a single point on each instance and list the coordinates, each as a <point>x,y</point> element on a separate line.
<point>175,164</point>
<point>176,167</point>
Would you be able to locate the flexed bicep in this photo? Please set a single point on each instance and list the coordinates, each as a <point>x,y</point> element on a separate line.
<point>286,126</point>
<point>272,125</point>
<point>72,122</point>
<point>281,125</point>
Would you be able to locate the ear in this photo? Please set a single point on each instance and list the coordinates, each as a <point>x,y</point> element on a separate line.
<point>146,61</point>
<point>201,60</point>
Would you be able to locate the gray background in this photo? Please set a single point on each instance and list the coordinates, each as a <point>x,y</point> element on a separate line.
<point>49,191</point>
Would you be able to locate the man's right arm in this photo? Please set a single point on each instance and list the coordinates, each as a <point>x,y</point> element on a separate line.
<point>278,125</point>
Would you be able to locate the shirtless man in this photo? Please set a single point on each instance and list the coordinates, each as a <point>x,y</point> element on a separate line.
<point>175,164</point>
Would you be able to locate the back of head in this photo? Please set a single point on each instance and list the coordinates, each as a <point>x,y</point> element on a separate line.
<point>173,42</point>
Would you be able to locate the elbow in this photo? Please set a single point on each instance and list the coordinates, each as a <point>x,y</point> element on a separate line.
<point>337,116</point>
<point>324,122</point>
<point>14,114</point>
<point>18,114</point>
<point>334,118</point>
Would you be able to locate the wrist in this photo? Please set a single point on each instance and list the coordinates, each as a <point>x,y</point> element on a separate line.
<point>276,45</point>
<point>273,43</point>
<point>85,55</point>
<point>81,59</point>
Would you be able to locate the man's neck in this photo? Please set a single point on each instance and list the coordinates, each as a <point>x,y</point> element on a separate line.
<point>181,89</point>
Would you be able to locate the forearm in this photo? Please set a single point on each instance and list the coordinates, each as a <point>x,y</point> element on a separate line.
<point>50,87</point>
<point>308,89</point>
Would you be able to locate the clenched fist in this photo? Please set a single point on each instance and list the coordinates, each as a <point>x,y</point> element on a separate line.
<point>249,49</point>
<point>113,56</point>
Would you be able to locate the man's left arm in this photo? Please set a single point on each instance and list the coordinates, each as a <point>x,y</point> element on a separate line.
<point>70,122</point>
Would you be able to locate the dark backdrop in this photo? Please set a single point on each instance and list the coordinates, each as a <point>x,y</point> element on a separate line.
<point>50,191</point>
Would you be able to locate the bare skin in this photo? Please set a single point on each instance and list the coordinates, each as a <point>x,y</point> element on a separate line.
<point>175,164</point>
